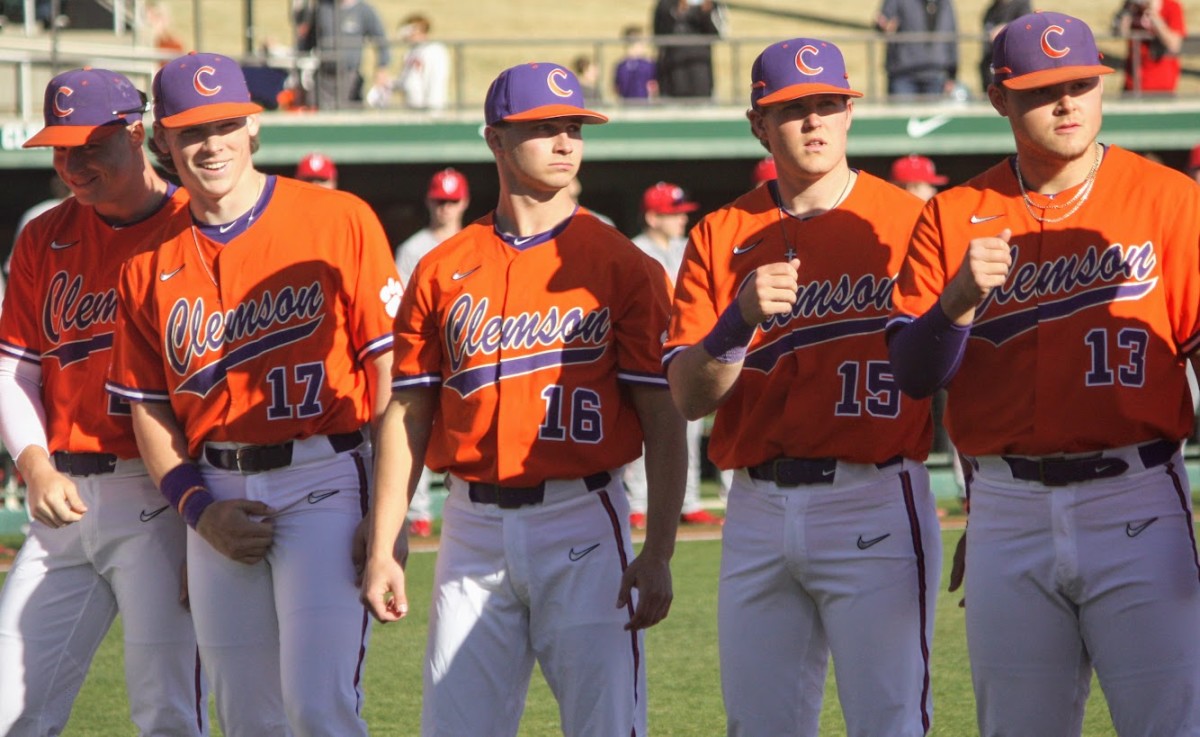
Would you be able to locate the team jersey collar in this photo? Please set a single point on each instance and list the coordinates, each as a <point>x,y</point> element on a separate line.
<point>225,232</point>
<point>522,243</point>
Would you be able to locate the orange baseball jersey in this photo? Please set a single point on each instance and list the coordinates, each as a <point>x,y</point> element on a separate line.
<point>61,313</point>
<point>1083,346</point>
<point>261,340</point>
<point>816,382</point>
<point>529,349</point>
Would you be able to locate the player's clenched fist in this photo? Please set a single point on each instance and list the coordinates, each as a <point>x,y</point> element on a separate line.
<point>53,499</point>
<point>383,589</point>
<point>770,290</point>
<point>984,268</point>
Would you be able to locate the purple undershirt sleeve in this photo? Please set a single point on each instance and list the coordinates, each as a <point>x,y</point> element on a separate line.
<point>926,352</point>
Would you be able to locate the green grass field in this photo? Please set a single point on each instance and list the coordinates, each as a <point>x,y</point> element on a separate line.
<point>684,686</point>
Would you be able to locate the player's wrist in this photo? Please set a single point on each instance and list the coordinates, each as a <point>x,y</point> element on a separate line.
<point>183,486</point>
<point>729,338</point>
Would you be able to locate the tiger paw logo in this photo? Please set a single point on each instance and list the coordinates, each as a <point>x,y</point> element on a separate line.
<point>390,295</point>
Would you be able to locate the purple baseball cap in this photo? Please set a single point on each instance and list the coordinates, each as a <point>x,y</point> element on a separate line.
<point>1045,48</point>
<point>537,91</point>
<point>81,102</point>
<point>201,88</point>
<point>798,68</point>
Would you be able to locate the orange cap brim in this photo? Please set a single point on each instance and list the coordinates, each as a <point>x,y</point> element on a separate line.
<point>545,112</point>
<point>210,113</point>
<point>71,135</point>
<point>1047,77</point>
<point>796,91</point>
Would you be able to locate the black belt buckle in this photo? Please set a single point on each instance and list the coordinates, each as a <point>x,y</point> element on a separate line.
<point>84,464</point>
<point>506,497</point>
<point>803,471</point>
<point>251,459</point>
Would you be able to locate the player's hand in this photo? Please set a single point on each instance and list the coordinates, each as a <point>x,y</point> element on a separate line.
<point>239,529</point>
<point>651,576</point>
<point>53,499</point>
<point>383,589</point>
<point>771,290</point>
<point>958,569</point>
<point>358,549</point>
<point>985,267</point>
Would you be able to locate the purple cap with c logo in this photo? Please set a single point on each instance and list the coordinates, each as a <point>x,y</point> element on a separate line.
<point>81,102</point>
<point>537,91</point>
<point>798,68</point>
<point>1042,49</point>
<point>201,88</point>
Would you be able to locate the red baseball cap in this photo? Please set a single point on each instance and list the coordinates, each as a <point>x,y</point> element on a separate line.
<point>201,88</point>
<point>1194,158</point>
<point>1044,48</point>
<point>316,166</point>
<point>448,185</point>
<point>665,198</point>
<point>912,169</point>
<point>764,171</point>
<point>81,102</point>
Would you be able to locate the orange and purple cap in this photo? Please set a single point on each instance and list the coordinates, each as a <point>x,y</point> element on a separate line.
<point>201,88</point>
<point>537,91</point>
<point>1045,48</point>
<point>448,185</point>
<point>914,169</point>
<point>82,102</point>
<point>797,68</point>
<point>665,198</point>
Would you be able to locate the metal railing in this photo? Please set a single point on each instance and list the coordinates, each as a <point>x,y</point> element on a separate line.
<point>32,59</point>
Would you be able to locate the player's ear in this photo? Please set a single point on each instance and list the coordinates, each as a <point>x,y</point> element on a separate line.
<point>137,133</point>
<point>998,99</point>
<point>758,126</point>
<point>494,137</point>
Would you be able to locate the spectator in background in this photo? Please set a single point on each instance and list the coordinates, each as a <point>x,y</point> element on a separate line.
<point>446,200</point>
<point>924,68</point>
<point>318,169</point>
<point>635,77</point>
<point>425,71</point>
<point>589,77</point>
<point>338,31</point>
<point>1159,29</point>
<point>686,70</point>
<point>918,175</point>
<point>998,15</point>
<point>764,171</point>
<point>665,210</point>
<point>158,22</point>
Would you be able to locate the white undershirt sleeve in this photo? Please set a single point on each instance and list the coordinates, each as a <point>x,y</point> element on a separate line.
<point>22,414</point>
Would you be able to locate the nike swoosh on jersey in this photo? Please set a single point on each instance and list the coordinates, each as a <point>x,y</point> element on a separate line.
<point>921,127</point>
<point>976,220</point>
<point>226,227</point>
<point>523,241</point>
<point>746,247</point>
<point>59,246</point>
<point>163,276</point>
<point>463,274</point>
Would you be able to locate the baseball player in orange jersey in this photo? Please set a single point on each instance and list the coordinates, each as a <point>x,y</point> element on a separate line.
<point>831,542</point>
<point>528,364</point>
<point>255,348</point>
<point>1057,297</point>
<point>101,539</point>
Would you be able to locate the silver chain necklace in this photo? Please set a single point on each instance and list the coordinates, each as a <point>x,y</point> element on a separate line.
<point>1074,203</point>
